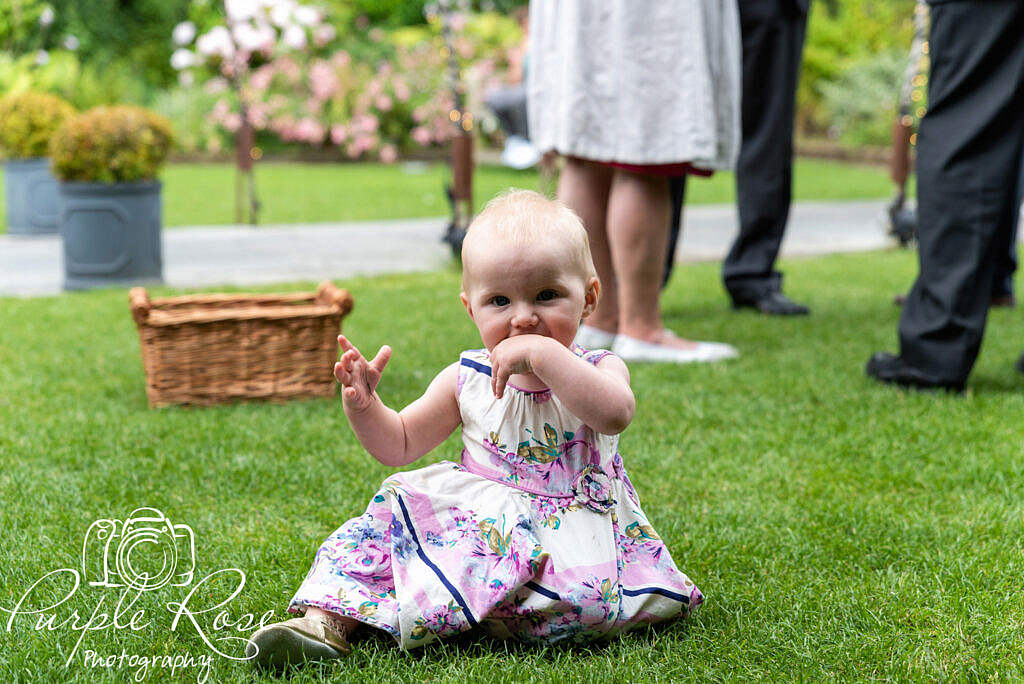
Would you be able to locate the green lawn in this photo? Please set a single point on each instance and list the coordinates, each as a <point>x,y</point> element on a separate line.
<point>840,529</point>
<point>203,194</point>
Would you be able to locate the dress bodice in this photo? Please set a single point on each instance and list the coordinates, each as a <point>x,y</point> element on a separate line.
<point>528,439</point>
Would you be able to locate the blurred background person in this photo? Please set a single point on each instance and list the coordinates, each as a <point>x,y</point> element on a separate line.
<point>773,40</point>
<point>509,103</point>
<point>968,165</point>
<point>633,94</point>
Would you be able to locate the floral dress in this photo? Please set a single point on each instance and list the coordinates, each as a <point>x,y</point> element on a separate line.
<point>536,533</point>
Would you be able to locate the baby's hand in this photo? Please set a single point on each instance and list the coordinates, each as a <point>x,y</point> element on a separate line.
<point>359,377</point>
<point>511,356</point>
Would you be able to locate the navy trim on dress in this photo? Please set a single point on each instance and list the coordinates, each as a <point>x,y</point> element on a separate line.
<point>470,363</point>
<point>542,591</point>
<point>437,571</point>
<point>682,598</point>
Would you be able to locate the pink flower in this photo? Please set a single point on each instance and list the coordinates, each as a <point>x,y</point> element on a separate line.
<point>384,103</point>
<point>341,59</point>
<point>365,123</point>
<point>232,122</point>
<point>388,154</point>
<point>323,34</point>
<point>323,80</point>
<point>258,115</point>
<point>261,78</point>
<point>402,91</point>
<point>309,130</point>
<point>338,133</point>
<point>374,88</point>
<point>421,136</point>
<point>220,110</point>
<point>363,142</point>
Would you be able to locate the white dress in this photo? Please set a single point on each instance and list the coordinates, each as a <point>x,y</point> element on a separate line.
<point>536,533</point>
<point>636,81</point>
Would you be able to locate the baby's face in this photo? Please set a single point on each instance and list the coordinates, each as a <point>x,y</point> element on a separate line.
<point>526,291</point>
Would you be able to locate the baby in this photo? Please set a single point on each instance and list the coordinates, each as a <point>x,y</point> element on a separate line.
<point>536,532</point>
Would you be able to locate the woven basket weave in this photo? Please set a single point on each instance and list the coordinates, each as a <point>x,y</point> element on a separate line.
<point>216,348</point>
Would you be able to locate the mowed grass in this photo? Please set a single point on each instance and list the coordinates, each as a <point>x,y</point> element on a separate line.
<point>841,530</point>
<point>203,194</point>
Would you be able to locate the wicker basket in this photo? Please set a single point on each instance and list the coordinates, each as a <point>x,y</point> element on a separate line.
<point>216,348</point>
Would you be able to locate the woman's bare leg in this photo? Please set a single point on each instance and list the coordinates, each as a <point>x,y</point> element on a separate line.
<point>584,188</point>
<point>639,208</point>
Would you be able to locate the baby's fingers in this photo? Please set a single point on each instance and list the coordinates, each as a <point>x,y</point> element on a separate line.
<point>342,374</point>
<point>499,378</point>
<point>347,346</point>
<point>381,359</point>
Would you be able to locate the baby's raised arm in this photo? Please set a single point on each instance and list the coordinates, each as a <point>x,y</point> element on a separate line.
<point>395,438</point>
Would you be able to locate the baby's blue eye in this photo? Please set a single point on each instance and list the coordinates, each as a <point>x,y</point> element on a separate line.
<point>500,300</point>
<point>546,295</point>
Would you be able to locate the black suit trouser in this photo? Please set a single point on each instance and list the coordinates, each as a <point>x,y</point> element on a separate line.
<point>773,39</point>
<point>968,162</point>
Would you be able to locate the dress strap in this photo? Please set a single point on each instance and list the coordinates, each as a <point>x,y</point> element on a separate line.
<point>594,356</point>
<point>472,362</point>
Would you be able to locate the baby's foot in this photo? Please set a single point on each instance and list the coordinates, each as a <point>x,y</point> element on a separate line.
<point>296,640</point>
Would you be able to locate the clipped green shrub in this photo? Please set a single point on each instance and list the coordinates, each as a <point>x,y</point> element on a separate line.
<point>119,144</point>
<point>27,122</point>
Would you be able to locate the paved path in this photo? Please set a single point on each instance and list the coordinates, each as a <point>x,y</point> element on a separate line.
<point>205,257</point>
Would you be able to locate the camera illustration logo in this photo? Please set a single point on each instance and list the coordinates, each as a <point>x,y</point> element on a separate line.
<point>144,552</point>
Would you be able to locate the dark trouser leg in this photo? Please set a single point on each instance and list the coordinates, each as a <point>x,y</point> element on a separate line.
<point>773,41</point>
<point>509,106</point>
<point>1006,259</point>
<point>969,155</point>
<point>677,191</point>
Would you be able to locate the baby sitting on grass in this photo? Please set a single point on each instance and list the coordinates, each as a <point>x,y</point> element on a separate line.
<point>536,532</point>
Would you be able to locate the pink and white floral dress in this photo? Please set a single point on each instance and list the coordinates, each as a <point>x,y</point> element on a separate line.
<point>537,533</point>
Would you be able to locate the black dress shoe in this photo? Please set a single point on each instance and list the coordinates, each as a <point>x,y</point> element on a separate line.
<point>772,303</point>
<point>891,369</point>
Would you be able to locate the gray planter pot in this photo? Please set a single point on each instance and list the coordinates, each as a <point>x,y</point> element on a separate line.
<point>31,197</point>
<point>111,234</point>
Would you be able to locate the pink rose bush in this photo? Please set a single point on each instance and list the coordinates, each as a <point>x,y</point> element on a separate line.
<point>280,64</point>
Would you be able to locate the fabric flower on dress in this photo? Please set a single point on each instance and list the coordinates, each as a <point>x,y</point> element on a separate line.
<point>593,489</point>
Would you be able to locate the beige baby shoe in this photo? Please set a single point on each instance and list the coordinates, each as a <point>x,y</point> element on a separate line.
<point>295,640</point>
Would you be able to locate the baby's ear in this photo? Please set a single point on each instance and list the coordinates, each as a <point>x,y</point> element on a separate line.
<point>465,302</point>
<point>590,295</point>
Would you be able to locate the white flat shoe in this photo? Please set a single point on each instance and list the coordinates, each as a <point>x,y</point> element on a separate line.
<point>632,349</point>
<point>593,338</point>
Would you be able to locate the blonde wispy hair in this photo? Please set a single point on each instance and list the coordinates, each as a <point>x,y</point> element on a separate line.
<point>524,217</point>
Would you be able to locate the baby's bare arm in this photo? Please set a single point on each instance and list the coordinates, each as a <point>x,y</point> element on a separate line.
<point>598,394</point>
<point>399,438</point>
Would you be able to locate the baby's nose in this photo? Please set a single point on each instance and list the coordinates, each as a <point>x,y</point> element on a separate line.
<point>524,318</point>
